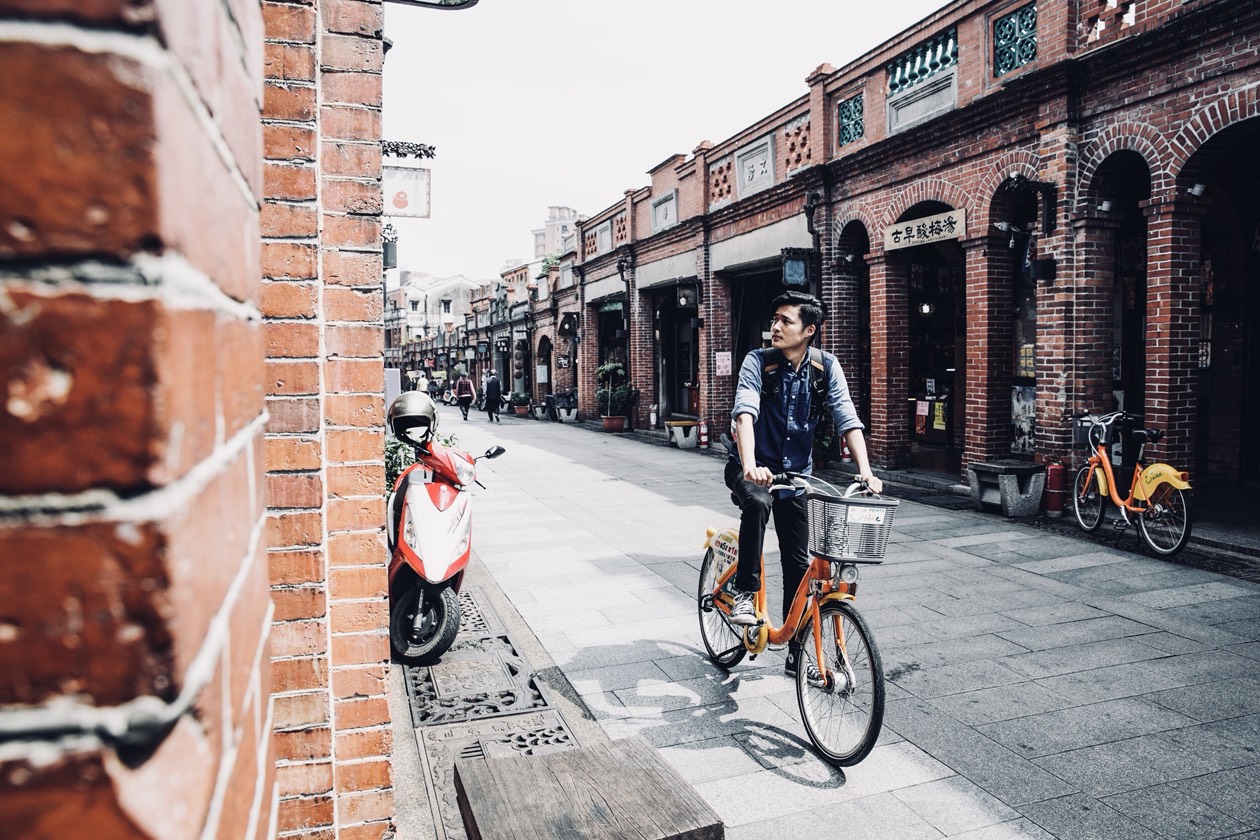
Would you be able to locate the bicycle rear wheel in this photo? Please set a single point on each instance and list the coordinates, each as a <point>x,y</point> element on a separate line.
<point>843,716</point>
<point>1087,504</point>
<point>722,640</point>
<point>1165,523</point>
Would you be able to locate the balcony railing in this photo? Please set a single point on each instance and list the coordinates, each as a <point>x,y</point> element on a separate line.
<point>923,62</point>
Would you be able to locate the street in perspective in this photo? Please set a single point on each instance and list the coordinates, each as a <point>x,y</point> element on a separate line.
<point>1039,683</point>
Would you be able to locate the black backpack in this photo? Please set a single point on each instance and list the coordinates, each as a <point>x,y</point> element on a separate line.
<point>819,379</point>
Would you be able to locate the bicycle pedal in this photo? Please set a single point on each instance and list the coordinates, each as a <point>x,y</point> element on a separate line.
<point>1119,524</point>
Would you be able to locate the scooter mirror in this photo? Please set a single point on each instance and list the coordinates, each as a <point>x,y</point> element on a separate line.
<point>494,452</point>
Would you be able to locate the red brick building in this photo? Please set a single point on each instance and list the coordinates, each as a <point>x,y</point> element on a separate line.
<point>191,342</point>
<point>1014,210</point>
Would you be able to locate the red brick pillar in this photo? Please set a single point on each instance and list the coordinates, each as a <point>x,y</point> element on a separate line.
<point>889,426</point>
<point>1172,327</point>
<point>1090,331</point>
<point>985,380</point>
<point>323,303</point>
<point>134,564</point>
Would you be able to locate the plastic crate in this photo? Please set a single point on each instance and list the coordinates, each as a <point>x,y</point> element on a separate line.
<point>853,529</point>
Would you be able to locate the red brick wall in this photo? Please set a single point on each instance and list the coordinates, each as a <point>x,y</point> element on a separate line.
<point>324,442</point>
<point>131,343</point>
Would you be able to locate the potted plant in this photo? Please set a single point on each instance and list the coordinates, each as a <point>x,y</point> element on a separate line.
<point>616,399</point>
<point>520,403</point>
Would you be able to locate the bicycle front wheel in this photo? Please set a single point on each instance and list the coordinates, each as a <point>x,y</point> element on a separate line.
<point>843,714</point>
<point>721,639</point>
<point>1087,501</point>
<point>1165,523</point>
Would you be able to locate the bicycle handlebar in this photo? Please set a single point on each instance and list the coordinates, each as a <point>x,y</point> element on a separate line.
<point>797,481</point>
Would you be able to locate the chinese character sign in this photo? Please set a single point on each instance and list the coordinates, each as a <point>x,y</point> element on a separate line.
<point>406,190</point>
<point>950,225</point>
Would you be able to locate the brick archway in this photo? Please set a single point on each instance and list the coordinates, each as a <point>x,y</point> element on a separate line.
<point>1211,119</point>
<point>1140,138</point>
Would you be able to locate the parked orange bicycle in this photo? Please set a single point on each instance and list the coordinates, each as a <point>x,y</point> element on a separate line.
<point>842,702</point>
<point>1158,497</point>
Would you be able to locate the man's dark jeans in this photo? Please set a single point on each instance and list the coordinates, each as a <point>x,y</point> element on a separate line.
<point>791,523</point>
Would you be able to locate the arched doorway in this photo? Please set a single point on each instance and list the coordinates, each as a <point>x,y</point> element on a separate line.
<point>544,378</point>
<point>677,322</point>
<point>853,295</point>
<point>936,345</point>
<point>1223,177</point>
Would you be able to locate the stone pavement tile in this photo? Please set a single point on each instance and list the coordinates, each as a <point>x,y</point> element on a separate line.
<point>1166,809</point>
<point>1231,792</point>
<point>1088,655</point>
<point>953,679</point>
<point>1007,702</point>
<point>993,550</point>
<point>1245,730</point>
<point>540,602</point>
<point>1248,628</point>
<point>1178,755</point>
<point>1219,700</point>
<point>942,629</point>
<point>1082,817</point>
<point>1077,727</point>
<point>1057,613</point>
<point>1002,773</point>
<point>1074,632</point>
<point>953,651</point>
<point>1251,650</point>
<point>954,805</point>
<point>1087,576</point>
<point>563,621</point>
<point>877,817</point>
<point>714,759</point>
<point>655,604</point>
<point>985,538</point>
<point>777,793</point>
<point>774,748</point>
<point>681,575</point>
<point>914,573</point>
<point>1070,562</point>
<point>568,656</point>
<point>1219,612</point>
<point>1110,683</point>
<point>1020,829</point>
<point>685,726</point>
<point>704,691</point>
<point>1210,591</point>
<point>1205,666</point>
<point>696,664</point>
<point>613,677</point>
<point>677,629</point>
<point>1171,643</point>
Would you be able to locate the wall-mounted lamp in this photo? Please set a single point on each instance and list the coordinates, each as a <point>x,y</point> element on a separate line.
<point>927,308</point>
<point>1198,189</point>
<point>845,259</point>
<point>1012,229</point>
<point>1105,205</point>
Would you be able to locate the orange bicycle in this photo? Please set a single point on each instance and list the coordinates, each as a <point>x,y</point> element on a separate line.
<point>842,701</point>
<point>1158,497</point>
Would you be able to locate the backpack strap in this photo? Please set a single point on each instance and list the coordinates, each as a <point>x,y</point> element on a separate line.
<point>819,378</point>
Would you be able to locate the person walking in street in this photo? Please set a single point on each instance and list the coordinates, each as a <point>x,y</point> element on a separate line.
<point>434,390</point>
<point>494,393</point>
<point>779,400</point>
<point>465,393</point>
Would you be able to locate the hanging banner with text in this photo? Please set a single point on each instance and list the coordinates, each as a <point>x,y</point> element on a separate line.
<point>406,190</point>
<point>951,225</point>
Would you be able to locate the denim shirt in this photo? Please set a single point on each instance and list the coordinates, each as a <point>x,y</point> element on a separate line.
<point>781,423</point>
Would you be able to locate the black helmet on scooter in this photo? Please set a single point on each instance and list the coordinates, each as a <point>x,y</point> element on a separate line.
<point>413,417</point>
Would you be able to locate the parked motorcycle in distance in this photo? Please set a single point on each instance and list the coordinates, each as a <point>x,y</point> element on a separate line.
<point>430,534</point>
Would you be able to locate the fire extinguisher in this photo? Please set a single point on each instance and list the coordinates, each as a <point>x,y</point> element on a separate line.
<point>1055,491</point>
<point>703,442</point>
<point>652,416</point>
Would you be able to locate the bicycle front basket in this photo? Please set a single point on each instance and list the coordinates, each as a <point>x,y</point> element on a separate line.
<point>853,529</point>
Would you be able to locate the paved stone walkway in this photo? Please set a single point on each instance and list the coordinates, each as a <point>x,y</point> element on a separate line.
<point>1039,685</point>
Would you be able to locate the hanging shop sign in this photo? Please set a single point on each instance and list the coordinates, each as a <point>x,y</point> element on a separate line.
<point>406,190</point>
<point>929,229</point>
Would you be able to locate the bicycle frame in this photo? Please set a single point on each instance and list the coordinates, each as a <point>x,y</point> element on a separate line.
<point>1144,482</point>
<point>816,588</point>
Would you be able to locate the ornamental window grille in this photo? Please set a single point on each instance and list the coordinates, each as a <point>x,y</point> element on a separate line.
<point>923,62</point>
<point>1015,39</point>
<point>852,125</point>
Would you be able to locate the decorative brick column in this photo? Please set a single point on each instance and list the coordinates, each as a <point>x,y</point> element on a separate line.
<point>986,379</point>
<point>889,426</point>
<point>323,304</point>
<point>131,428</point>
<point>1091,330</point>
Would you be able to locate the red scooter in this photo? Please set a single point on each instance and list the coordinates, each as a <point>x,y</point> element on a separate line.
<point>430,538</point>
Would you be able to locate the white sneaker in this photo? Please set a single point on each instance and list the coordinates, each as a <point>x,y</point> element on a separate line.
<point>743,612</point>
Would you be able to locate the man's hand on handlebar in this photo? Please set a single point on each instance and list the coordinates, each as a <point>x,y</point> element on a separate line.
<point>872,482</point>
<point>761,476</point>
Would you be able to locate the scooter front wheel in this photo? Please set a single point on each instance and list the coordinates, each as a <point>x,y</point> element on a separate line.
<point>423,641</point>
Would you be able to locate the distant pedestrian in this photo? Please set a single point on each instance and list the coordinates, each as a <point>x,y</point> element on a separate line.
<point>465,393</point>
<point>494,393</point>
<point>434,390</point>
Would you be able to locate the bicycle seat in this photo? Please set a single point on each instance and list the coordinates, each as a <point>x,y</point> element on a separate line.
<point>1147,435</point>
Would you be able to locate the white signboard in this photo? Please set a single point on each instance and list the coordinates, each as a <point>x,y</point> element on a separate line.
<point>540,374</point>
<point>950,225</point>
<point>406,190</point>
<point>722,363</point>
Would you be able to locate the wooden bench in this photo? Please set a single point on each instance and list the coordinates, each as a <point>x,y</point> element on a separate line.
<point>621,789</point>
<point>1015,485</point>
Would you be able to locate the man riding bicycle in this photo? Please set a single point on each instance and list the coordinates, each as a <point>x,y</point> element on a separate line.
<point>779,400</point>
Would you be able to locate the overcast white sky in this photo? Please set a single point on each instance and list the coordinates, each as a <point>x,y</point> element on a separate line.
<point>533,103</point>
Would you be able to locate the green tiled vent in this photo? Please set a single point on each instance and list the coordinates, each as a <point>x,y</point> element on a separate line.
<point>1015,39</point>
<point>923,62</point>
<point>851,124</point>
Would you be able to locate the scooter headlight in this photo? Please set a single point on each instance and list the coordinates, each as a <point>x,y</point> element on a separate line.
<point>465,471</point>
<point>409,528</point>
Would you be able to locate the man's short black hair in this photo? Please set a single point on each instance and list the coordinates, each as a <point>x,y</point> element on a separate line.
<point>813,313</point>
